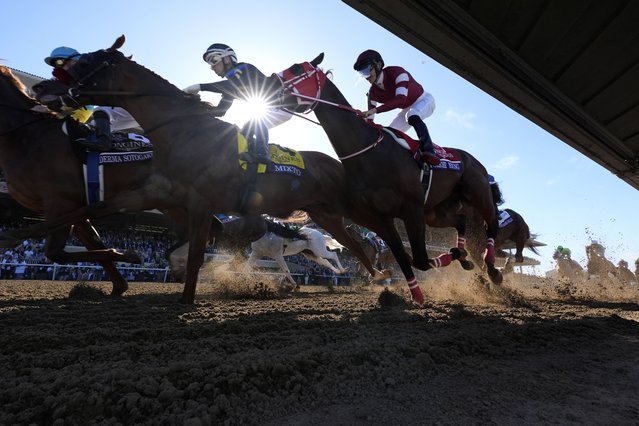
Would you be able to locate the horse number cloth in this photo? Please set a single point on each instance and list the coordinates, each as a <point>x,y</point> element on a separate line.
<point>285,160</point>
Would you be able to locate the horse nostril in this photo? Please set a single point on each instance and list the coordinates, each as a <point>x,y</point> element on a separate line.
<point>37,89</point>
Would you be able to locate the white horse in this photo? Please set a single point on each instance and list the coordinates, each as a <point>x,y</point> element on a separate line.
<point>315,247</point>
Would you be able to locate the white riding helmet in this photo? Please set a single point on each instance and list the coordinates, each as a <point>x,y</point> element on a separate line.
<point>216,52</point>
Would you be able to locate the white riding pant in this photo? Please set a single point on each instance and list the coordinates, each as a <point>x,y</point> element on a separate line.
<point>423,107</point>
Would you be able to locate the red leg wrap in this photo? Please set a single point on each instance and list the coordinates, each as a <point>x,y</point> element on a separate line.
<point>416,291</point>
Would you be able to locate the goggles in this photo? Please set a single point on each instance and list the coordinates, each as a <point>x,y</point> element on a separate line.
<point>366,71</point>
<point>59,62</point>
<point>213,59</point>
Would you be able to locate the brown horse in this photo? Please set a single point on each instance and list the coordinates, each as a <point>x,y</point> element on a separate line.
<point>196,163</point>
<point>44,174</point>
<point>382,178</point>
<point>512,227</point>
<point>381,259</point>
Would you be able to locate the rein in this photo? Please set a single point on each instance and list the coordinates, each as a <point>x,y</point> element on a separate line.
<point>289,85</point>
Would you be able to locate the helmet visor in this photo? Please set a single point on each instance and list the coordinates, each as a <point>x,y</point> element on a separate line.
<point>365,71</point>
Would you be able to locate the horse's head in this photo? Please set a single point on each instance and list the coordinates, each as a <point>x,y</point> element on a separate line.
<point>301,85</point>
<point>88,74</point>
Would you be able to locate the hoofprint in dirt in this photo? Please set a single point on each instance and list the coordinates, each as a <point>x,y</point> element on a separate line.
<point>244,354</point>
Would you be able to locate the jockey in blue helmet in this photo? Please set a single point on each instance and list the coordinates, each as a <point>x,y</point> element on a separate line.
<point>103,119</point>
<point>243,81</point>
<point>60,55</point>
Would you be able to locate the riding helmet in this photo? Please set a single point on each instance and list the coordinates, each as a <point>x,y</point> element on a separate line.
<point>216,52</point>
<point>61,52</point>
<point>367,58</point>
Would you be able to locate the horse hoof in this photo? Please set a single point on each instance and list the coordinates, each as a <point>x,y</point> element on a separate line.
<point>422,266</point>
<point>467,265</point>
<point>495,274</point>
<point>458,253</point>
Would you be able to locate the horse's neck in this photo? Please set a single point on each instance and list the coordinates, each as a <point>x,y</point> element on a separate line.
<point>346,131</point>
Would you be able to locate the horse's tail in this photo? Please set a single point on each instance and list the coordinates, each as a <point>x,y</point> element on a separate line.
<point>298,217</point>
<point>284,231</point>
<point>530,245</point>
<point>498,198</point>
<point>332,243</point>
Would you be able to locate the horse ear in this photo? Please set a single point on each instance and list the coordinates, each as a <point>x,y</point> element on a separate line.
<point>119,42</point>
<point>315,62</point>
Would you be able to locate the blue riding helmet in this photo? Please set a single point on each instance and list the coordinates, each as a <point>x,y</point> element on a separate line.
<point>61,52</point>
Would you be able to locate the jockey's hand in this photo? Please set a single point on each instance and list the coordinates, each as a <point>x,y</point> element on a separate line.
<point>370,112</point>
<point>193,89</point>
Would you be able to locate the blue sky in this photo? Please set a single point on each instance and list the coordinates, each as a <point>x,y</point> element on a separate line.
<point>565,197</point>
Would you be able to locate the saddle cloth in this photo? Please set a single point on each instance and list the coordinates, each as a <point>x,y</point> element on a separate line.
<point>448,158</point>
<point>93,169</point>
<point>284,160</point>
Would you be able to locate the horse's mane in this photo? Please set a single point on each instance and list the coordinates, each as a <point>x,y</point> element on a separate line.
<point>192,100</point>
<point>15,80</point>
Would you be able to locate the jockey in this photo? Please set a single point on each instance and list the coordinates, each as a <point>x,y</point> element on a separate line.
<point>103,119</point>
<point>394,88</point>
<point>243,81</point>
<point>564,251</point>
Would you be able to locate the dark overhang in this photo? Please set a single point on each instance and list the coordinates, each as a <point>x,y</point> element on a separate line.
<point>570,66</point>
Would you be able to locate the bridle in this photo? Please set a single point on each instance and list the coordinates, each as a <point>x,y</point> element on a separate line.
<point>79,88</point>
<point>297,85</point>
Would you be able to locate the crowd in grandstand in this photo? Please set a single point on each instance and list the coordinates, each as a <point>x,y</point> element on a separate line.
<point>27,261</point>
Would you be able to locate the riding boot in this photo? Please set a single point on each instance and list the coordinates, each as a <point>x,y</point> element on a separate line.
<point>426,149</point>
<point>261,151</point>
<point>100,138</point>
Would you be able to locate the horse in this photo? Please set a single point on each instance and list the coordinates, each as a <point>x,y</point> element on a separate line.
<point>196,163</point>
<point>44,174</point>
<point>382,179</point>
<point>567,268</point>
<point>310,242</point>
<point>597,262</point>
<point>512,227</point>
<point>238,233</point>
<point>381,259</point>
<point>625,275</point>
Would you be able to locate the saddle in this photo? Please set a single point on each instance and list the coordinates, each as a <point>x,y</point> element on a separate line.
<point>448,158</point>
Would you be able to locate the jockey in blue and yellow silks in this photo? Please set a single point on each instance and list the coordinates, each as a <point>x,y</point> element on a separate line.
<point>243,81</point>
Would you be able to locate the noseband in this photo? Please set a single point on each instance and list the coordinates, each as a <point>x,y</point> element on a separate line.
<point>305,86</point>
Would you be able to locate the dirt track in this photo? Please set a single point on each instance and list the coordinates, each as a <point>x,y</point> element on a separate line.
<point>521,354</point>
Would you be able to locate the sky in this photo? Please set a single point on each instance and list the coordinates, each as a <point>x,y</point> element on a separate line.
<point>566,198</point>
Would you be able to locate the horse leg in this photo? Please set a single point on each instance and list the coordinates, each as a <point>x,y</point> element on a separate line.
<point>199,228</point>
<point>387,232</point>
<point>492,227</point>
<point>334,225</point>
<point>279,259</point>
<point>321,261</point>
<point>460,227</point>
<point>148,197</point>
<point>54,250</point>
<point>415,229</point>
<point>91,240</point>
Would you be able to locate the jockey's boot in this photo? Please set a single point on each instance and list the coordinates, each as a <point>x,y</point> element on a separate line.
<point>261,153</point>
<point>426,150</point>
<point>100,139</point>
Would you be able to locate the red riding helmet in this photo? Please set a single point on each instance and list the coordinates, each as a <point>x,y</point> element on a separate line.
<point>367,58</point>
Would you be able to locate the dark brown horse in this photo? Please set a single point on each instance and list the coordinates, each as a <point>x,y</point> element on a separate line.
<point>44,174</point>
<point>381,259</point>
<point>382,178</point>
<point>196,163</point>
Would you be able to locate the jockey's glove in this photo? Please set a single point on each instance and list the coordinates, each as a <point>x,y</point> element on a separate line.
<point>193,89</point>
